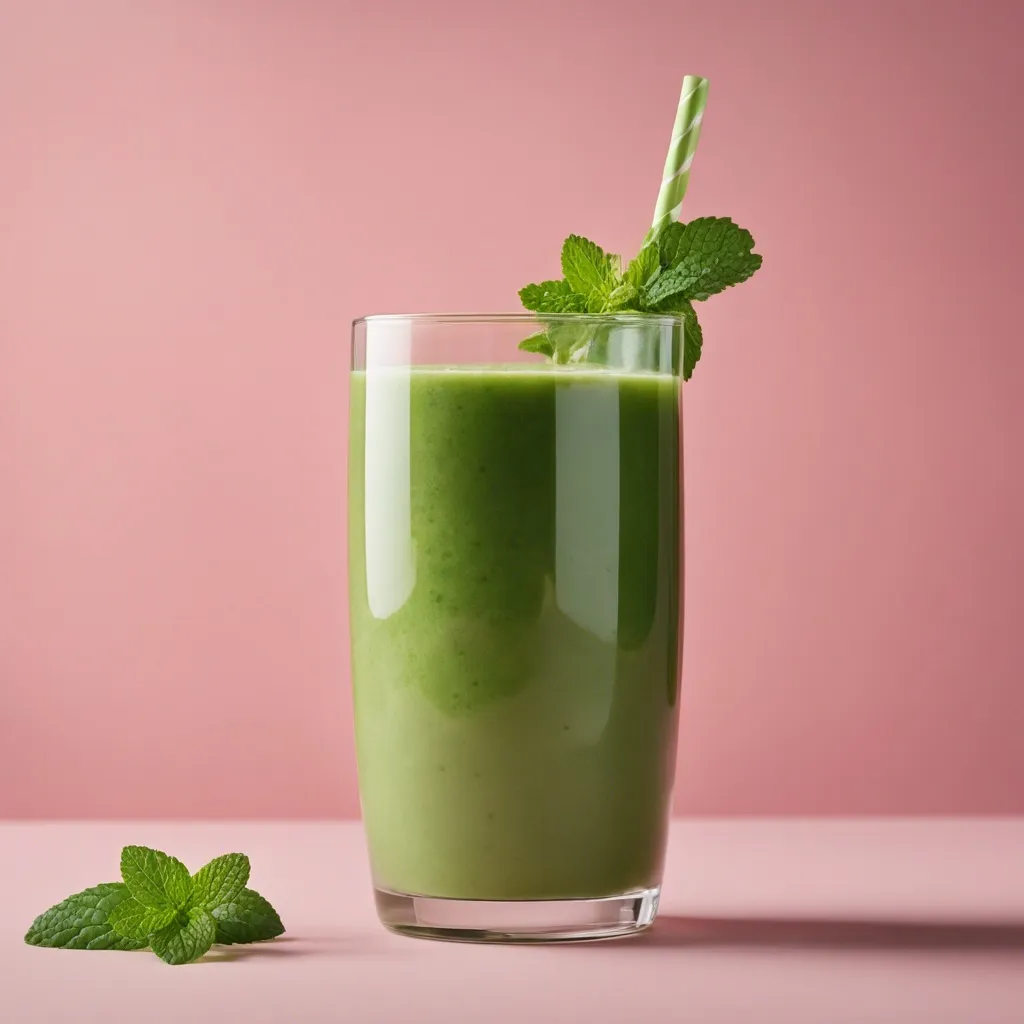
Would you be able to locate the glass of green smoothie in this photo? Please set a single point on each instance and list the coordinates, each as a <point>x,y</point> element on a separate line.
<point>515,565</point>
<point>514,548</point>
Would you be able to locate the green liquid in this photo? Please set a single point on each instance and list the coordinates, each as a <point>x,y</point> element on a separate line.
<point>513,559</point>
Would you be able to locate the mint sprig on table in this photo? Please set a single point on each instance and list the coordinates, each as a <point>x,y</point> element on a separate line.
<point>679,264</point>
<point>161,906</point>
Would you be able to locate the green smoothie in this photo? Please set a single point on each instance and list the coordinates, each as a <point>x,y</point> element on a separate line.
<point>513,546</point>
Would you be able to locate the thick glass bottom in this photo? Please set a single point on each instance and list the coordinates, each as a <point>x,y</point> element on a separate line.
<point>514,921</point>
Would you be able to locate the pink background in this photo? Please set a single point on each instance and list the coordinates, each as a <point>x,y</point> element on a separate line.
<point>197,197</point>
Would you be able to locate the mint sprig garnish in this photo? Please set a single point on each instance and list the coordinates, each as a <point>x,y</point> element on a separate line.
<point>704,257</point>
<point>677,266</point>
<point>161,906</point>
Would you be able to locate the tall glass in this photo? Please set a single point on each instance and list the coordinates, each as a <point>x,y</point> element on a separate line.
<point>514,565</point>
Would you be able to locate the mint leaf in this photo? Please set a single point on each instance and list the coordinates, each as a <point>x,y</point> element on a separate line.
<point>154,879</point>
<point>565,341</point>
<point>220,881</point>
<point>134,921</point>
<point>668,240</point>
<point>675,284</point>
<point>643,267</point>
<point>552,297</point>
<point>570,339</point>
<point>190,935</point>
<point>623,296</point>
<point>693,337</point>
<point>247,918</point>
<point>589,271</point>
<point>82,921</point>
<point>707,255</point>
<point>538,343</point>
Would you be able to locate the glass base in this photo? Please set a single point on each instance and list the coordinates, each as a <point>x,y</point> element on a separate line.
<point>575,920</point>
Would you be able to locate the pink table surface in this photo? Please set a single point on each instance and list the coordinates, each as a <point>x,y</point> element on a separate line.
<point>761,921</point>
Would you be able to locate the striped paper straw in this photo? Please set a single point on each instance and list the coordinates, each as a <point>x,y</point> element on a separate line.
<point>685,134</point>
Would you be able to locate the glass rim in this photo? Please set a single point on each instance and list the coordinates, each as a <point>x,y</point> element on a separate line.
<point>526,317</point>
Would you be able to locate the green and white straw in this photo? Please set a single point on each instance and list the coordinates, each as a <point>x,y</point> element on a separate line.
<point>685,134</point>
